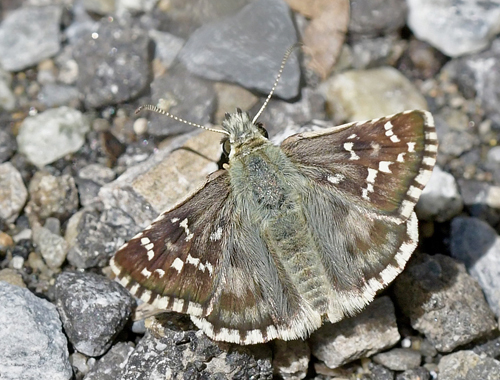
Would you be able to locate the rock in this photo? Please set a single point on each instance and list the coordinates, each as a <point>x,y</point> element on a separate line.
<point>291,359</point>
<point>111,365</point>
<point>93,310</point>
<point>52,134</point>
<point>189,354</point>
<point>167,46</point>
<point>13,193</point>
<point>7,98</point>
<point>375,52</point>
<point>419,373</point>
<point>453,132</point>
<point>371,331</point>
<point>183,95</point>
<point>379,372</point>
<point>420,60</point>
<point>101,7</point>
<point>89,181</point>
<point>454,28</point>
<point>56,95</point>
<point>51,196</point>
<point>12,277</point>
<point>114,67</point>
<point>8,144</point>
<point>477,245</point>
<point>481,198</point>
<point>28,35</point>
<point>466,365</point>
<point>377,17</point>
<point>32,342</point>
<point>440,200</point>
<point>368,94</point>
<point>230,97</point>
<point>399,359</point>
<point>443,302</point>
<point>247,48</point>
<point>491,348</point>
<point>51,246</point>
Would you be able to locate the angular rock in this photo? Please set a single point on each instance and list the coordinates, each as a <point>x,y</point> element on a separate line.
<point>368,94</point>
<point>167,46</point>
<point>52,134</point>
<point>371,331</point>
<point>440,200</point>
<point>477,245</point>
<point>51,246</point>
<point>29,35</point>
<point>374,52</point>
<point>453,132</point>
<point>247,48</point>
<point>89,181</point>
<point>419,373</point>
<point>455,28</point>
<point>93,310</point>
<point>32,342</point>
<point>291,359</point>
<point>377,17</point>
<point>111,365</point>
<point>13,193</point>
<point>113,67</point>
<point>7,98</point>
<point>443,302</point>
<point>399,359</point>
<point>466,365</point>
<point>56,95</point>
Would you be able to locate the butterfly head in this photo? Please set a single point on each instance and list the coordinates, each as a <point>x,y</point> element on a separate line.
<point>243,133</point>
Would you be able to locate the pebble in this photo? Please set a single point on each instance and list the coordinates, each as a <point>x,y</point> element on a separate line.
<point>56,95</point>
<point>93,310</point>
<point>111,365</point>
<point>419,373</point>
<point>12,276</point>
<point>8,144</point>
<point>466,365</point>
<point>7,98</point>
<point>291,359</point>
<point>29,35</point>
<point>455,28</point>
<point>368,94</point>
<point>89,181</point>
<point>113,64</point>
<point>453,134</point>
<point>226,50</point>
<point>440,200</point>
<point>101,7</point>
<point>377,17</point>
<point>399,359</point>
<point>477,245</point>
<point>13,193</point>
<point>443,302</point>
<point>51,246</point>
<point>52,134</point>
<point>167,46</point>
<point>371,331</point>
<point>32,342</point>
<point>373,52</point>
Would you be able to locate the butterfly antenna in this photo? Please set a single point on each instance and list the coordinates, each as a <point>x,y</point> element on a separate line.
<point>283,62</point>
<point>150,107</point>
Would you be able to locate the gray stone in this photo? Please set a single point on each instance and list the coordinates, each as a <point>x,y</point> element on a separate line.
<point>466,365</point>
<point>481,198</point>
<point>29,35</point>
<point>167,46</point>
<point>374,52</point>
<point>101,7</point>
<point>52,134</point>
<point>455,27</point>
<point>183,95</point>
<point>491,348</point>
<point>89,181</point>
<point>51,196</point>
<point>371,331</point>
<point>378,372</point>
<point>51,246</point>
<point>291,359</point>
<point>111,365</point>
<point>440,200</point>
<point>399,359</point>
<point>8,145</point>
<point>368,94</point>
<point>7,98</point>
<point>176,354</point>
<point>56,95</point>
<point>376,17</point>
<point>247,48</point>
<point>419,373</point>
<point>477,245</point>
<point>443,302</point>
<point>13,193</point>
<point>114,67</point>
<point>453,132</point>
<point>32,343</point>
<point>93,310</point>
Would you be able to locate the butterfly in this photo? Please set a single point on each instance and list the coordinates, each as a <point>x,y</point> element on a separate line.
<point>286,237</point>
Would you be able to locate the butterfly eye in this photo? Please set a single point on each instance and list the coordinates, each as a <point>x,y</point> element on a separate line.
<point>262,130</point>
<point>226,146</point>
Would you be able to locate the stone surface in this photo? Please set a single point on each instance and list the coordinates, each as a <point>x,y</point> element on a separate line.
<point>247,48</point>
<point>190,354</point>
<point>8,144</point>
<point>93,310</point>
<point>167,46</point>
<point>291,359</point>
<point>7,98</point>
<point>371,331</point>
<point>12,277</point>
<point>113,63</point>
<point>374,52</point>
<point>419,373</point>
<point>477,245</point>
<point>111,365</point>
<point>443,302</point>
<point>51,196</point>
<point>377,17</point>
<point>455,28</point>
<point>183,95</point>
<point>52,134</point>
<point>466,365</point>
<point>454,136</point>
<point>89,181</point>
<point>56,95</point>
<point>32,343</point>
<point>29,35</point>
<point>368,94</point>
<point>13,193</point>
<point>399,359</point>
<point>440,200</point>
<point>51,246</point>
<point>230,97</point>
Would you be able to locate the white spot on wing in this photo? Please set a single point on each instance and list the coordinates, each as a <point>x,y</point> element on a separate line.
<point>217,235</point>
<point>388,125</point>
<point>177,264</point>
<point>401,157</point>
<point>395,139</point>
<point>336,178</point>
<point>383,166</point>
<point>151,255</point>
<point>145,241</point>
<point>372,175</point>
<point>348,146</point>
<point>174,220</point>
<point>160,272</point>
<point>145,272</point>
<point>184,224</point>
<point>192,260</point>
<point>411,147</point>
